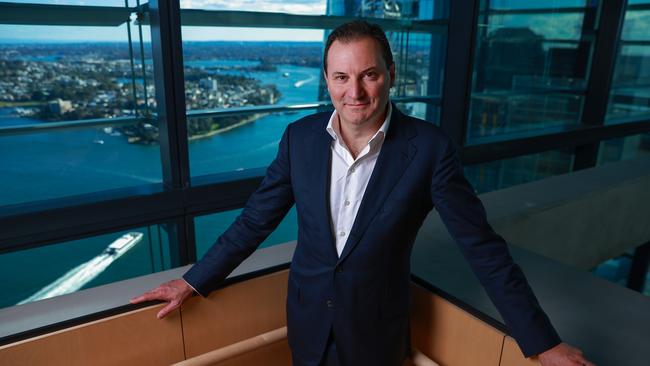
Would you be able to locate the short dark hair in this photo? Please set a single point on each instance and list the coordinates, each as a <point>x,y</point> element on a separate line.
<point>355,30</point>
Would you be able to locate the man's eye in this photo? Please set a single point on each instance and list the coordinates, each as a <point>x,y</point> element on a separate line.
<point>340,77</point>
<point>371,75</point>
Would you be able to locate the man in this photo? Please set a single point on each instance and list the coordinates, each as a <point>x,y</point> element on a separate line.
<point>363,179</point>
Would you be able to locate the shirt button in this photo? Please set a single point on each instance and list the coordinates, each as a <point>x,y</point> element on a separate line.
<point>330,303</point>
<point>347,203</point>
<point>351,170</point>
<point>342,233</point>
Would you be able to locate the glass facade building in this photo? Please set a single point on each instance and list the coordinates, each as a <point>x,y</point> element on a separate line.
<point>157,119</point>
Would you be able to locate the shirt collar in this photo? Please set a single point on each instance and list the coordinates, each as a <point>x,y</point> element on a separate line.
<point>378,136</point>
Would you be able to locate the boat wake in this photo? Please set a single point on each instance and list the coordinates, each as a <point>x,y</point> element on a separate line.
<point>77,277</point>
<point>300,83</point>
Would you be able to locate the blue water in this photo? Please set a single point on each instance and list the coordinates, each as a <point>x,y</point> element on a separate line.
<point>56,164</point>
<point>221,63</point>
<point>49,58</point>
<point>48,165</point>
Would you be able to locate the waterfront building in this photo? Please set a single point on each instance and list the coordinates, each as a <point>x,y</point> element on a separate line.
<point>208,84</point>
<point>59,106</point>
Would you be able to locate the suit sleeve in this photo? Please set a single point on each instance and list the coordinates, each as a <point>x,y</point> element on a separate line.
<point>263,212</point>
<point>487,253</point>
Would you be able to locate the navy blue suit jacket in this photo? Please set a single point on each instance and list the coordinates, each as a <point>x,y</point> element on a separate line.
<point>363,295</point>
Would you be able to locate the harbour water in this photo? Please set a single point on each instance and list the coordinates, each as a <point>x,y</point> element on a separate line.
<point>61,163</point>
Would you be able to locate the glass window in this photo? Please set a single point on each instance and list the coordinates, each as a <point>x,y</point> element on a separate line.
<point>245,141</point>
<point>59,163</point>
<point>404,9</point>
<point>617,270</point>
<point>60,89</point>
<point>629,97</point>
<point>530,64</point>
<point>304,7</point>
<point>420,110</point>
<point>62,268</point>
<point>209,227</point>
<point>275,68</point>
<point>116,3</point>
<point>522,169</point>
<point>51,77</point>
<point>624,148</point>
<point>221,73</point>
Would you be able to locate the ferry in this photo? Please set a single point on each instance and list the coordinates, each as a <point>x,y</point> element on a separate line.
<point>123,244</point>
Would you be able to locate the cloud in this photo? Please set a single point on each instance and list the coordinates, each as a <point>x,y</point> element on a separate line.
<point>310,7</point>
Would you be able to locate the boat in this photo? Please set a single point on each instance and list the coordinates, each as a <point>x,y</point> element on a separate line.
<point>98,142</point>
<point>124,243</point>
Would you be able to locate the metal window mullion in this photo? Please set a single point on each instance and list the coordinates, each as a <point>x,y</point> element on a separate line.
<point>142,62</point>
<point>131,61</point>
<point>436,63</point>
<point>169,79</point>
<point>457,84</point>
<point>610,23</point>
<point>170,92</point>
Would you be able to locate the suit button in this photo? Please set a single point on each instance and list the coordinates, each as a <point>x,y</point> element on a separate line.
<point>330,303</point>
<point>339,269</point>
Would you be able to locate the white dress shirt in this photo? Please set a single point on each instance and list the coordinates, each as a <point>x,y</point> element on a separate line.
<point>349,177</point>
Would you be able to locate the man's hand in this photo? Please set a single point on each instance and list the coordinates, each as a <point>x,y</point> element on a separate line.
<point>563,355</point>
<point>173,292</point>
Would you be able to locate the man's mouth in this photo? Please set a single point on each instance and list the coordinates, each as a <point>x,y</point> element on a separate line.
<point>357,104</point>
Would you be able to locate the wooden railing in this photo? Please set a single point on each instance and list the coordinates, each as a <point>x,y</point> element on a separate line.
<point>244,324</point>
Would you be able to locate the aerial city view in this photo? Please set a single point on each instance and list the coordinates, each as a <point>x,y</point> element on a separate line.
<point>61,82</point>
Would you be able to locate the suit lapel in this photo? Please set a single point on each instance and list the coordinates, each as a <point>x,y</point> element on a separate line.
<point>320,179</point>
<point>395,155</point>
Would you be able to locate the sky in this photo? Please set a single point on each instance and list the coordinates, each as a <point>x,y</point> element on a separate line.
<point>29,33</point>
<point>558,26</point>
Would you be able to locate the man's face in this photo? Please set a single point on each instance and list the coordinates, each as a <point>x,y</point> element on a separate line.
<point>359,81</point>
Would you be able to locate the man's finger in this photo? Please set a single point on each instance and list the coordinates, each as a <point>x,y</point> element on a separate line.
<point>157,293</point>
<point>147,296</point>
<point>167,309</point>
<point>138,299</point>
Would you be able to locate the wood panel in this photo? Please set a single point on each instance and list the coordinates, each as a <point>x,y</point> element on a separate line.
<point>275,354</point>
<point>235,313</point>
<point>512,355</point>
<point>134,338</point>
<point>449,335</point>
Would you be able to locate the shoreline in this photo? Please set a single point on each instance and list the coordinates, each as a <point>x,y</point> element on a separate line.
<point>254,117</point>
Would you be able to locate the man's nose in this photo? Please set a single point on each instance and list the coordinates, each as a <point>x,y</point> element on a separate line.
<point>356,90</point>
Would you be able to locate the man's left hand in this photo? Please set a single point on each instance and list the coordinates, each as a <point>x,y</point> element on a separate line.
<point>563,355</point>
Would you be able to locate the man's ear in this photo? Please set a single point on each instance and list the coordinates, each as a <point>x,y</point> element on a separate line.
<point>391,73</point>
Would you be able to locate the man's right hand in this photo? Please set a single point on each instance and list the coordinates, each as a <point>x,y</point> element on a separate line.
<point>173,292</point>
